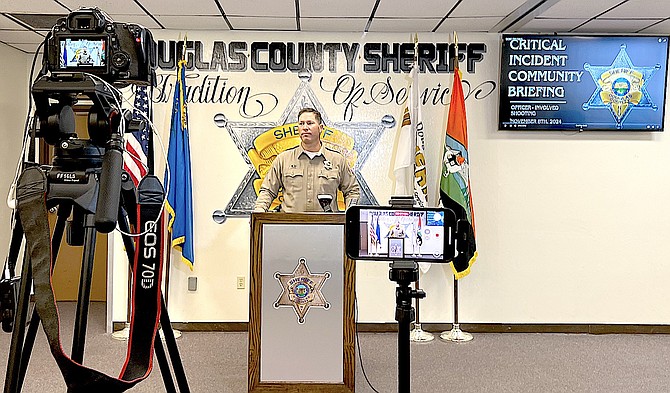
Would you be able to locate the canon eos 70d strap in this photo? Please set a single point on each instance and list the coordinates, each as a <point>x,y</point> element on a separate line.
<point>146,297</point>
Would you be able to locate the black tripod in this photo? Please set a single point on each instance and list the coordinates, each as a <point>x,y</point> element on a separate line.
<point>404,273</point>
<point>78,200</point>
<point>86,181</point>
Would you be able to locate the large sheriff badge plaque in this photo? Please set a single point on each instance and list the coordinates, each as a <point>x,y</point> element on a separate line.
<point>301,290</point>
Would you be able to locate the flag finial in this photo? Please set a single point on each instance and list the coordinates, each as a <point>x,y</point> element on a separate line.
<point>416,48</point>
<point>183,49</point>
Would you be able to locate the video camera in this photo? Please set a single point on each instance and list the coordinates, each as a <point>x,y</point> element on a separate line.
<point>86,56</point>
<point>88,40</point>
<point>84,52</point>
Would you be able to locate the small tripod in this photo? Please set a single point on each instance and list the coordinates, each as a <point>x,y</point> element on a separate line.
<point>404,273</point>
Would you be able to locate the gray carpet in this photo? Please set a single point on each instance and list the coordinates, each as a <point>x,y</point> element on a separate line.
<point>497,363</point>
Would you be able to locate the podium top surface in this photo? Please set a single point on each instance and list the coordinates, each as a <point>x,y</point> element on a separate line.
<point>297,218</point>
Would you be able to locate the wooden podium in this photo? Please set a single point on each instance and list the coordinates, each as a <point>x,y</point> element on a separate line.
<point>301,304</point>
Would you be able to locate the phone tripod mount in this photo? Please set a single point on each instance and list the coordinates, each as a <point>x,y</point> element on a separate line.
<point>404,273</point>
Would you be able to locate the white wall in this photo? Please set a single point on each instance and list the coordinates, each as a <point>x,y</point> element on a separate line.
<point>13,108</point>
<point>571,227</point>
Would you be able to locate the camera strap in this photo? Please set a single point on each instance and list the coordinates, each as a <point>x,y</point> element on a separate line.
<point>146,296</point>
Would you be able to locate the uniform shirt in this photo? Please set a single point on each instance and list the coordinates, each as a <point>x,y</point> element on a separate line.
<point>301,179</point>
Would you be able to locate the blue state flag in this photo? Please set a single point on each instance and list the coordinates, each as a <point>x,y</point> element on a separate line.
<point>180,195</point>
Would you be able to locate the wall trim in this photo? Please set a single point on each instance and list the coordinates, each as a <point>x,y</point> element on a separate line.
<point>381,327</point>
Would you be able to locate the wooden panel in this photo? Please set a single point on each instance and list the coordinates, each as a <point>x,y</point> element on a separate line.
<point>255,385</point>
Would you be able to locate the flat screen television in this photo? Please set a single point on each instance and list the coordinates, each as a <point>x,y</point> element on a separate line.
<point>581,83</point>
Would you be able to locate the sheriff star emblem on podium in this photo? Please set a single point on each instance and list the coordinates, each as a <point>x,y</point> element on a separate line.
<point>301,290</point>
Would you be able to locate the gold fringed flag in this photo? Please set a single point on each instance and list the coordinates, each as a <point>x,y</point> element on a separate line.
<point>410,160</point>
<point>180,195</point>
<point>455,180</point>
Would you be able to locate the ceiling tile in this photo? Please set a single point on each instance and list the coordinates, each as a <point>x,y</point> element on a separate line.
<point>8,24</point>
<point>142,20</point>
<point>259,8</point>
<point>660,28</point>
<point>21,37</point>
<point>361,8</point>
<point>614,25</point>
<point>483,24</point>
<point>28,48</point>
<point>403,25</point>
<point>418,8</point>
<point>256,23</point>
<point>486,8</point>
<point>41,6</point>
<point>550,25</point>
<point>333,24</point>
<point>109,6</point>
<point>163,7</point>
<point>640,9</point>
<point>37,21</point>
<point>579,8</point>
<point>201,22</point>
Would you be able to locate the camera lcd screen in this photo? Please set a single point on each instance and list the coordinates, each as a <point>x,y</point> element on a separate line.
<point>385,233</point>
<point>82,53</point>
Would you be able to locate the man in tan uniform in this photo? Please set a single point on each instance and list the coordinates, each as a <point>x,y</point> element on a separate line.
<point>306,171</point>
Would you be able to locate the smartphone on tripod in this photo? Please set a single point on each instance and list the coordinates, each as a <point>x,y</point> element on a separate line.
<point>390,233</point>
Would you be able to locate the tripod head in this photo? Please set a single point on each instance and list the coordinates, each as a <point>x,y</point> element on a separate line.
<point>101,155</point>
<point>404,273</point>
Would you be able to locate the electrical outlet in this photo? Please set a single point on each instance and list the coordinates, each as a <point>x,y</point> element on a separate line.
<point>193,283</point>
<point>241,282</point>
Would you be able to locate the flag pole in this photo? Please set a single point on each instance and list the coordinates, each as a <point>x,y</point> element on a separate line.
<point>124,334</point>
<point>168,260</point>
<point>456,334</point>
<point>417,334</point>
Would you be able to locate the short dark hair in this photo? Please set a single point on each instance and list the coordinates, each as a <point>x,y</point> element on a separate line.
<point>316,113</point>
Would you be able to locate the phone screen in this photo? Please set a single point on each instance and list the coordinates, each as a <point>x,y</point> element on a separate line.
<point>386,233</point>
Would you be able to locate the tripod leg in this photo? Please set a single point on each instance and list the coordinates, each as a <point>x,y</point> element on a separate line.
<point>64,210</point>
<point>171,344</point>
<point>404,316</point>
<point>81,317</point>
<point>403,357</point>
<point>15,246</point>
<point>163,364</point>
<point>15,352</point>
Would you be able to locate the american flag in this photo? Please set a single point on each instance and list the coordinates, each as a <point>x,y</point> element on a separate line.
<point>374,229</point>
<point>137,142</point>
